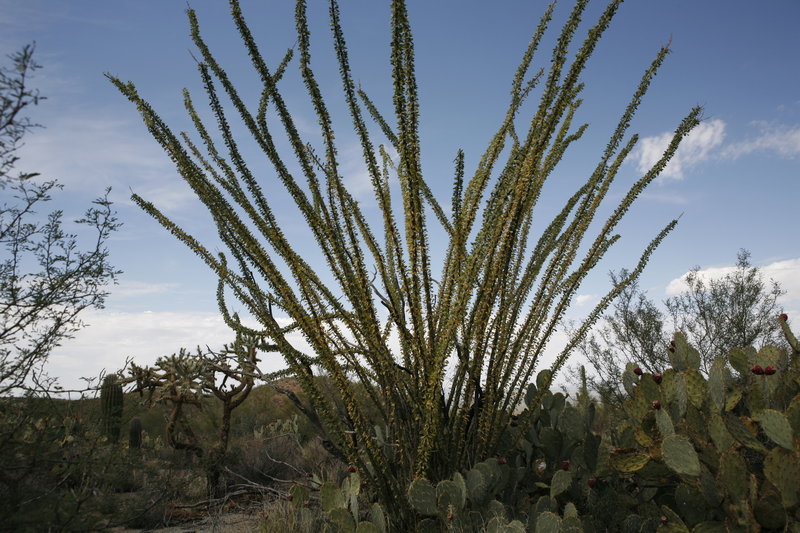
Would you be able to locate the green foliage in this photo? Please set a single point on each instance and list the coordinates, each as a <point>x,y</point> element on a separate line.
<point>718,317</point>
<point>46,278</point>
<point>341,507</point>
<point>58,473</point>
<point>485,314</point>
<point>183,379</point>
<point>701,462</point>
<point>733,453</point>
<point>422,497</point>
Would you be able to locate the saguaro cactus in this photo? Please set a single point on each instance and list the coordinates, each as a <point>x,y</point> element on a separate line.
<point>135,434</point>
<point>111,400</point>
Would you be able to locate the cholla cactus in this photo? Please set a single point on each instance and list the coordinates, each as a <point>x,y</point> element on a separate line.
<point>186,378</point>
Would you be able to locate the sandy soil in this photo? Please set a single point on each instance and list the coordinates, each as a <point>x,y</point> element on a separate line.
<point>225,523</point>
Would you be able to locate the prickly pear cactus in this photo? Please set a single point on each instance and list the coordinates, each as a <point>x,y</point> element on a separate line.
<point>708,451</point>
<point>342,507</point>
<point>719,452</point>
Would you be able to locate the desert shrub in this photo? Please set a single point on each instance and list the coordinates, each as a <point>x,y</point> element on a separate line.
<point>500,295</point>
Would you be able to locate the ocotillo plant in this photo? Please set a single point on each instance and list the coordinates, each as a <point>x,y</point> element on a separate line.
<point>111,400</point>
<point>470,339</point>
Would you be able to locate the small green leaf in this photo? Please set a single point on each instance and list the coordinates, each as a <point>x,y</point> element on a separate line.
<point>571,424</point>
<point>422,497</point>
<point>367,527</point>
<point>570,511</point>
<point>680,456</point>
<point>681,393</point>
<point>695,387</point>
<point>733,476</point>
<point>677,356</point>
<point>543,379</point>
<point>664,423</point>
<point>717,383</point>
<point>530,394</point>
<point>299,495</point>
<point>719,433</point>
<point>688,356</point>
<point>548,522</point>
<point>448,494</point>
<point>476,487</point>
<point>782,469</point>
<point>733,399</point>
<point>377,517</point>
<point>793,414</point>
<point>710,527</point>
<point>331,497</point>
<point>561,481</point>
<point>740,432</point>
<point>738,359</point>
<point>629,462</point>
<point>342,519</point>
<point>458,479</point>
<point>674,523</point>
<point>651,389</point>
<point>629,379</point>
<point>777,427</point>
<point>515,526</point>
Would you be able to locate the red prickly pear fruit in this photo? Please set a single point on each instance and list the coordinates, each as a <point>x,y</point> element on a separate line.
<point>564,465</point>
<point>638,371</point>
<point>289,497</point>
<point>656,405</point>
<point>592,482</point>
<point>784,317</point>
<point>501,460</point>
<point>351,469</point>
<point>450,516</point>
<point>757,370</point>
<point>671,349</point>
<point>657,378</point>
<point>769,370</point>
<point>672,343</point>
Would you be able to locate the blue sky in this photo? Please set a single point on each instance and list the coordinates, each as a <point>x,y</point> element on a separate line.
<point>736,181</point>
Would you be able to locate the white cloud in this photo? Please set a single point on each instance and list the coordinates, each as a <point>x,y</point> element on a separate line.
<point>695,148</point>
<point>705,142</point>
<point>786,273</point>
<point>678,285</point>
<point>585,299</point>
<point>94,153</point>
<point>128,288</point>
<point>111,337</point>
<point>354,171</point>
<point>775,138</point>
